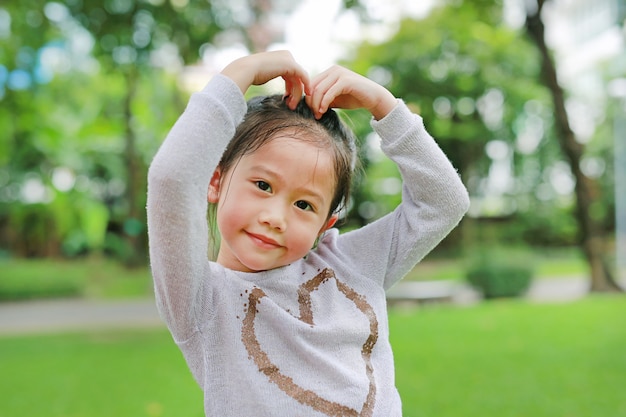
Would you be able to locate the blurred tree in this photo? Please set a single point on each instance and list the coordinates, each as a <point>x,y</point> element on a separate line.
<point>80,78</point>
<point>25,135</point>
<point>129,37</point>
<point>593,237</point>
<point>62,125</point>
<point>474,80</point>
<point>455,68</point>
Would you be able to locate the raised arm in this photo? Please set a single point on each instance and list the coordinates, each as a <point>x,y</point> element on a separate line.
<point>433,196</point>
<point>178,181</point>
<point>260,68</point>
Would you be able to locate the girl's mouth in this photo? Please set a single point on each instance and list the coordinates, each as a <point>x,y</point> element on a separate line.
<point>263,241</point>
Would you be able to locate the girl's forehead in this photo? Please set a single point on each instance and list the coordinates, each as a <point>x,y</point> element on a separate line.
<point>300,146</point>
<point>312,143</point>
<point>295,157</point>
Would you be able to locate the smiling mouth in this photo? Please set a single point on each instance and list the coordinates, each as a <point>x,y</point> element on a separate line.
<point>263,241</point>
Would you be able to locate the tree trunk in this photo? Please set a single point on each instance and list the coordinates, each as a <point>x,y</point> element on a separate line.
<point>134,217</point>
<point>586,190</point>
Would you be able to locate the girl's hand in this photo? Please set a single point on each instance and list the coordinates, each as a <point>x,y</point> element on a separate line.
<point>341,88</point>
<point>260,68</point>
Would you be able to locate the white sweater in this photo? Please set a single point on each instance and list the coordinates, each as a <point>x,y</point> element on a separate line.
<point>309,338</point>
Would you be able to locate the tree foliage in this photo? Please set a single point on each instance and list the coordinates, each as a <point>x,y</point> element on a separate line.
<point>87,96</point>
<point>474,80</point>
<point>89,88</point>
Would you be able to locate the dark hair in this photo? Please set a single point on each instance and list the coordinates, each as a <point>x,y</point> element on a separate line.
<point>268,116</point>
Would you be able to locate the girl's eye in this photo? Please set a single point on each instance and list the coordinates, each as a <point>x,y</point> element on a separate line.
<point>262,185</point>
<point>303,205</point>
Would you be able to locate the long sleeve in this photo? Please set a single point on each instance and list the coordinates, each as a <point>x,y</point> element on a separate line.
<point>433,202</point>
<point>178,181</point>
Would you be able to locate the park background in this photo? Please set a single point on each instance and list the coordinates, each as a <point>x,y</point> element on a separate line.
<point>527,98</point>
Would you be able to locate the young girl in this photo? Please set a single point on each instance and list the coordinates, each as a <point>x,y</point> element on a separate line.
<point>291,319</point>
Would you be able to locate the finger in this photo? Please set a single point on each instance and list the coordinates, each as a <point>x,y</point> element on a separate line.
<point>296,82</point>
<point>327,91</point>
<point>297,75</point>
<point>305,80</point>
<point>320,87</point>
<point>288,86</point>
<point>314,96</point>
<point>295,95</point>
<point>293,91</point>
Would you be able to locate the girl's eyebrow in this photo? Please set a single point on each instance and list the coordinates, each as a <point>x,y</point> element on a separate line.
<point>265,171</point>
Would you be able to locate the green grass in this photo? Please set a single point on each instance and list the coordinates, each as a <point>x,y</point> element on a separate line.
<point>500,359</point>
<point>513,359</point>
<point>121,374</point>
<point>92,277</point>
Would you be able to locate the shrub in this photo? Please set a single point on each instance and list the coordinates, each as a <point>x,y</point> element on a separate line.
<point>23,285</point>
<point>496,273</point>
<point>97,277</point>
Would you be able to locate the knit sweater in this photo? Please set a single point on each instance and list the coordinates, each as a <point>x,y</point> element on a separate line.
<point>310,338</point>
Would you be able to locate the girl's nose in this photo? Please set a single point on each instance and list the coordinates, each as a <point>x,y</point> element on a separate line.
<point>274,217</point>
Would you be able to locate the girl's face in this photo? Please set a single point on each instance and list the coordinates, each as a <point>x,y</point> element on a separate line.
<point>273,204</point>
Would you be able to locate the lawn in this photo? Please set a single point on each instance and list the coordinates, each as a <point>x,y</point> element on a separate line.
<point>500,359</point>
<point>95,277</point>
<point>513,359</point>
<point>99,374</point>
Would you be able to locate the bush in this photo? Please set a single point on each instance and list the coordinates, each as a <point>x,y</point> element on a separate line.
<point>93,277</point>
<point>30,284</point>
<point>497,274</point>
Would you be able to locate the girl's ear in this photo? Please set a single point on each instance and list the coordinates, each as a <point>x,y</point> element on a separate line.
<point>330,223</point>
<point>213,195</point>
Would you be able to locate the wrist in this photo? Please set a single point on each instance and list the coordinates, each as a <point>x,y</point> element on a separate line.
<point>235,72</point>
<point>384,106</point>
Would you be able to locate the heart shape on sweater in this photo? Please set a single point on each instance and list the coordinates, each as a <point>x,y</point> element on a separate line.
<point>286,383</point>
